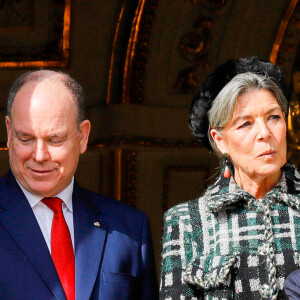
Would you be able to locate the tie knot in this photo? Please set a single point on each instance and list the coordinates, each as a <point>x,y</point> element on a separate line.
<point>53,203</point>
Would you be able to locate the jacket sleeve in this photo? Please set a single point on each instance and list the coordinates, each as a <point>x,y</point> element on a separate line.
<point>292,285</point>
<point>176,253</point>
<point>148,284</point>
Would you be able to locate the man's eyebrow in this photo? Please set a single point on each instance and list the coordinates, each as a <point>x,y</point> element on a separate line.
<point>58,135</point>
<point>55,135</point>
<point>21,133</point>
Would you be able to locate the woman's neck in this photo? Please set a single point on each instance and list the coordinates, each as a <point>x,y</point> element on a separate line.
<point>257,186</point>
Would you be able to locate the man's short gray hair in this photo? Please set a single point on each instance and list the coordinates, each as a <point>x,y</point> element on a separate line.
<point>224,104</point>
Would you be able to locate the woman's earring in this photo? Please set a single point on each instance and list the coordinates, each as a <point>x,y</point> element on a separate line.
<point>226,173</point>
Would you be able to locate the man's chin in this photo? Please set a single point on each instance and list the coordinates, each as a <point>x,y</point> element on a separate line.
<point>42,189</point>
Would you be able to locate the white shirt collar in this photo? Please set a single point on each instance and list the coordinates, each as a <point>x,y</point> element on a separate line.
<point>65,195</point>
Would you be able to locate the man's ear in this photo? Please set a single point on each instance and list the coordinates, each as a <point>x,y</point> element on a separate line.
<point>84,131</point>
<point>8,130</point>
<point>219,140</point>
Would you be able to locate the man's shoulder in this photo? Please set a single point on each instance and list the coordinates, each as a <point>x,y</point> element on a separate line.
<point>8,184</point>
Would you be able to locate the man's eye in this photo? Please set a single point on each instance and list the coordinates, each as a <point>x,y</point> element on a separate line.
<point>25,140</point>
<point>55,141</point>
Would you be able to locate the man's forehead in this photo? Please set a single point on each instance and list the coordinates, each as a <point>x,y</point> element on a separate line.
<point>39,105</point>
<point>55,80</point>
<point>42,75</point>
<point>48,91</point>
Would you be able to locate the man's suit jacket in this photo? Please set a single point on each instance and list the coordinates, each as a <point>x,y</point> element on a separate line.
<point>292,285</point>
<point>113,261</point>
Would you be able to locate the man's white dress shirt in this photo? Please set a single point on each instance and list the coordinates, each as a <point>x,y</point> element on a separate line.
<point>44,214</point>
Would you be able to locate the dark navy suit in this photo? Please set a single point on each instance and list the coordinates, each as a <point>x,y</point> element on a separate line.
<point>292,285</point>
<point>113,261</point>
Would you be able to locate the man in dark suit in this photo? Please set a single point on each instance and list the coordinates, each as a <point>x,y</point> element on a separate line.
<point>58,240</point>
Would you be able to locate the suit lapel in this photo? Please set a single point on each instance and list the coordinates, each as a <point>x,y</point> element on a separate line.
<point>18,219</point>
<point>89,243</point>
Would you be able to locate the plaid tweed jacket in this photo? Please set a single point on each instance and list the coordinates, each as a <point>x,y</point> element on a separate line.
<point>229,245</point>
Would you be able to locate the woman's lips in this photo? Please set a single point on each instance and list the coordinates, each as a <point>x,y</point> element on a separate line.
<point>269,153</point>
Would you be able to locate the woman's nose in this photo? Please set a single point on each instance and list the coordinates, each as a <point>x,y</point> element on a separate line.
<point>263,130</point>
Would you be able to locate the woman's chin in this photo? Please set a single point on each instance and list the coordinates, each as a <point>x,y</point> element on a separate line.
<point>268,169</point>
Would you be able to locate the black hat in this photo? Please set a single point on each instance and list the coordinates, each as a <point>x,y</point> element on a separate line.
<point>218,79</point>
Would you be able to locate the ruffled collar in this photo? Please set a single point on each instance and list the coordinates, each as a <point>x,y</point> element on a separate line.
<point>225,193</point>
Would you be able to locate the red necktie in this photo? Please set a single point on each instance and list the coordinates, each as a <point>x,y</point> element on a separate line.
<point>61,248</point>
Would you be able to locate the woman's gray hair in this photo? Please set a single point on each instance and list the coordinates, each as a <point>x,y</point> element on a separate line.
<point>73,86</point>
<point>224,104</point>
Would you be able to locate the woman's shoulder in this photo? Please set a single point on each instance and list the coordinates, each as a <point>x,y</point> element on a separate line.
<point>185,210</point>
<point>190,206</point>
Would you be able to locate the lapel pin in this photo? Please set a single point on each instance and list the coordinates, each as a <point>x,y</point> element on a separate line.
<point>96,224</point>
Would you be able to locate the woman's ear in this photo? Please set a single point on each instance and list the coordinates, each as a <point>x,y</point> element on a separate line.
<point>219,140</point>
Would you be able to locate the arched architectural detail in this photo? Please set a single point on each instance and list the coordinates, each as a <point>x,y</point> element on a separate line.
<point>194,47</point>
<point>286,44</point>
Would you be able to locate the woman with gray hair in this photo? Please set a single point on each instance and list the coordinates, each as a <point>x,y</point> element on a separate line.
<point>240,240</point>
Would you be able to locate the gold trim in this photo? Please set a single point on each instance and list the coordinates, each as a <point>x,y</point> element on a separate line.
<point>124,170</point>
<point>113,53</point>
<point>66,31</point>
<point>118,174</point>
<point>65,47</point>
<point>131,51</point>
<point>281,30</point>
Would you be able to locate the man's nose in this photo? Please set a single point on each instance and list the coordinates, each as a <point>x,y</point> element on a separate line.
<point>41,152</point>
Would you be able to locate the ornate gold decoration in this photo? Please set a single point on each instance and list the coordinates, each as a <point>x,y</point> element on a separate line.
<point>61,56</point>
<point>287,40</point>
<point>282,30</point>
<point>294,116</point>
<point>128,70</point>
<point>113,53</point>
<point>125,176</point>
<point>118,164</point>
<point>133,79</point>
<point>195,46</point>
<point>294,124</point>
<point>283,54</point>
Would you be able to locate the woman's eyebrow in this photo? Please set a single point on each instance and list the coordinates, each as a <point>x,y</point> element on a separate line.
<point>247,116</point>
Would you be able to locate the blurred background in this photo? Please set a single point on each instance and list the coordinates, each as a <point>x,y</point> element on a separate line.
<point>140,63</point>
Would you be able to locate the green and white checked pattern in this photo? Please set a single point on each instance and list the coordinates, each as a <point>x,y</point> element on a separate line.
<point>228,245</point>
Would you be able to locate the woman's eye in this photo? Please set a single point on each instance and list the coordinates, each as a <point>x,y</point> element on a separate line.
<point>274,117</point>
<point>245,124</point>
